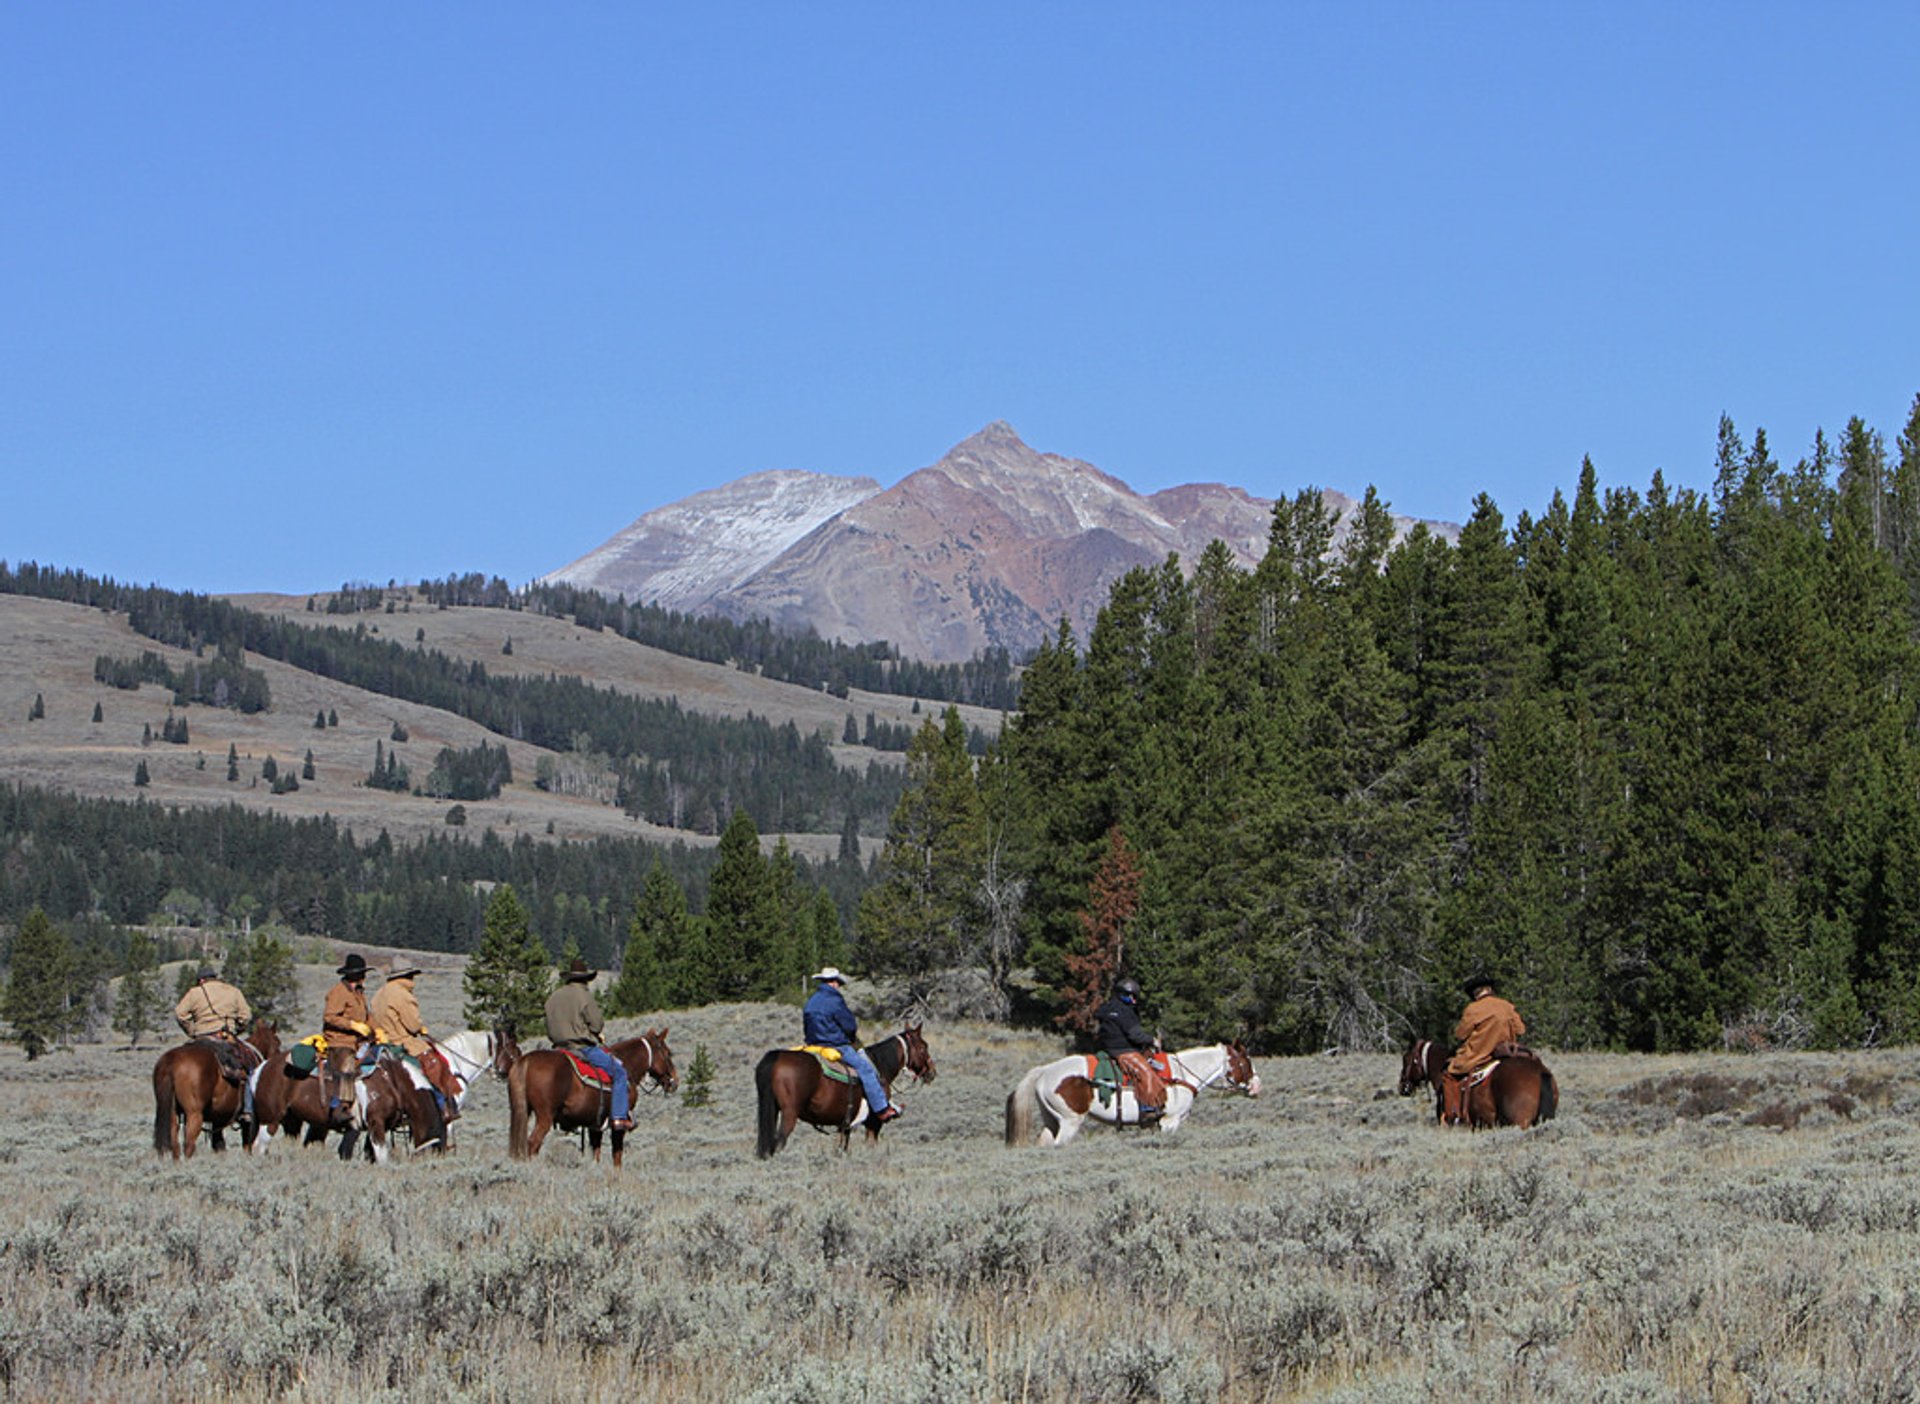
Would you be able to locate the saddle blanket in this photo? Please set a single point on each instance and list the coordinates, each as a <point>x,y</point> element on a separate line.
<point>1108,1077</point>
<point>588,1073</point>
<point>831,1063</point>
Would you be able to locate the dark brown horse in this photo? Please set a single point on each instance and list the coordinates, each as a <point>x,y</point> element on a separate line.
<point>793,1089</point>
<point>544,1089</point>
<point>307,1106</point>
<point>390,1097</point>
<point>1519,1092</point>
<point>189,1087</point>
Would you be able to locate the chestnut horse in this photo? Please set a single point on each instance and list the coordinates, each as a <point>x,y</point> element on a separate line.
<point>1519,1092</point>
<point>543,1088</point>
<point>189,1087</point>
<point>792,1089</point>
<point>393,1094</point>
<point>314,1104</point>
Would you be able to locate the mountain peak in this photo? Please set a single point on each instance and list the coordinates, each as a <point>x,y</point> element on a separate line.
<point>997,435</point>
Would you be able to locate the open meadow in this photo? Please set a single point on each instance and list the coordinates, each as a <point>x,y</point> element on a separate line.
<point>1700,1228</point>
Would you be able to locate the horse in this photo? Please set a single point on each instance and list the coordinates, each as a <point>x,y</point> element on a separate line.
<point>315,1104</point>
<point>1053,1100</point>
<point>473,1053</point>
<point>792,1089</point>
<point>189,1087</point>
<point>391,1094</point>
<point>1520,1091</point>
<point>542,1087</point>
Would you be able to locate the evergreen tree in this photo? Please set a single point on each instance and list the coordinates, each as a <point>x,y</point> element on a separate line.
<point>39,708</point>
<point>306,768</point>
<point>697,1091</point>
<point>260,963</point>
<point>656,938</point>
<point>137,1008</point>
<point>140,776</point>
<point>320,720</point>
<point>99,713</point>
<point>742,929</point>
<point>510,975</point>
<point>233,761</point>
<point>39,1006</point>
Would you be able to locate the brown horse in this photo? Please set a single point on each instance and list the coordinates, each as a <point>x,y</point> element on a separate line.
<point>792,1089</point>
<point>1520,1091</point>
<point>389,1097</point>
<point>189,1087</point>
<point>544,1088</point>
<point>289,1104</point>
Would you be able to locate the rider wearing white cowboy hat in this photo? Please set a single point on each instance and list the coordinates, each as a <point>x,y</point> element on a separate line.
<point>828,1023</point>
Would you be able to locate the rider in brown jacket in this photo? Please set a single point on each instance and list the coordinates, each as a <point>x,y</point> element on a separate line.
<point>345,1020</point>
<point>1487,1022</point>
<point>396,1012</point>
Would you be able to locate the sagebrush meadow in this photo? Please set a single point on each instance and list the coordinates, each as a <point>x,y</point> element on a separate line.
<point>1704,1227</point>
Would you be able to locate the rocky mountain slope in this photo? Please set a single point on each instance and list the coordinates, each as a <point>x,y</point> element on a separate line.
<point>989,547</point>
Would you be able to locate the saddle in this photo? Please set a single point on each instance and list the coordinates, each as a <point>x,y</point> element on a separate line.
<point>831,1063</point>
<point>236,1060</point>
<point>1108,1076</point>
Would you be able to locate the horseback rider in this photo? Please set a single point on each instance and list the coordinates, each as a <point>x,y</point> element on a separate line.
<point>1487,1022</point>
<point>1124,1039</point>
<point>827,1022</point>
<point>574,1022</point>
<point>396,1012</point>
<point>217,1012</point>
<point>345,1021</point>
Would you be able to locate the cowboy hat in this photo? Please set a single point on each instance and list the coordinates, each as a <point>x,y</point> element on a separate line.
<point>207,972</point>
<point>1478,982</point>
<point>579,970</point>
<point>405,972</point>
<point>831,973</point>
<point>355,967</point>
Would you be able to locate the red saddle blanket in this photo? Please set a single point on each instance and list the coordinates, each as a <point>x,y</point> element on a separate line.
<point>587,1072</point>
<point>1102,1068</point>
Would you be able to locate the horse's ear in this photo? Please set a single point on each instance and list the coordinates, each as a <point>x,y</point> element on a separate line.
<point>663,1033</point>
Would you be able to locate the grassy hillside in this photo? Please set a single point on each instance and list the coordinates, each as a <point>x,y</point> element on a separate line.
<point>48,648</point>
<point>1719,1228</point>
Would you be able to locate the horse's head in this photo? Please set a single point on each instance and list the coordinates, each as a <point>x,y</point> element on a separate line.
<point>1413,1067</point>
<point>505,1052</point>
<point>265,1038</point>
<point>660,1066</point>
<point>918,1060</point>
<point>1240,1075</point>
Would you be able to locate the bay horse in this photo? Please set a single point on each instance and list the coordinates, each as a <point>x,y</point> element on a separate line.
<point>1520,1091</point>
<point>1054,1100</point>
<point>543,1089</point>
<point>189,1088</point>
<point>394,1093</point>
<point>304,1107</point>
<point>792,1089</point>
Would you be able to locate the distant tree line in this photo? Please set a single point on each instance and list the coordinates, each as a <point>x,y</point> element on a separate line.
<point>756,646</point>
<point>115,862</point>
<point>786,781</point>
<point>223,682</point>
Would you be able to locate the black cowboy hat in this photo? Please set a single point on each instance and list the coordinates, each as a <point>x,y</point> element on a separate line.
<point>355,967</point>
<point>1477,982</point>
<point>579,970</point>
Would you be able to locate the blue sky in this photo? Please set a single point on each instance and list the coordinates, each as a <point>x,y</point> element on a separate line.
<point>297,295</point>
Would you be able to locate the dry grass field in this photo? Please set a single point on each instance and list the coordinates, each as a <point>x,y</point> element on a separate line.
<point>47,649</point>
<point>1720,1228</point>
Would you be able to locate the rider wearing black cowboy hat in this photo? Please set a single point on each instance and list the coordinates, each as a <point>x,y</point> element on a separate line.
<point>345,1021</point>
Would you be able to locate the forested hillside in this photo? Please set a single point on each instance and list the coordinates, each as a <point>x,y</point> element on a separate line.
<point>1650,759</point>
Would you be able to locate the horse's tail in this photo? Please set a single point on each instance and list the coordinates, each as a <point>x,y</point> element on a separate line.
<point>517,1110</point>
<point>769,1112</point>
<point>163,1106</point>
<point>1022,1102</point>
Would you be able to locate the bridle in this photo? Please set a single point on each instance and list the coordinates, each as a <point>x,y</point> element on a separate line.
<point>1418,1055</point>
<point>906,1056</point>
<point>1222,1074</point>
<point>640,1082</point>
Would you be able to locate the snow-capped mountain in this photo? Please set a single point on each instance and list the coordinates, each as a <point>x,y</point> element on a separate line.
<point>991,546</point>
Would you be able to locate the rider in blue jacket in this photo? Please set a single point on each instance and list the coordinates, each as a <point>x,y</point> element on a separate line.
<point>830,1024</point>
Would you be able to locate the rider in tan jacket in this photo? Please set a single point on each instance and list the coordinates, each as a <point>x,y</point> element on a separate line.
<point>396,1013</point>
<point>1487,1022</point>
<point>212,1008</point>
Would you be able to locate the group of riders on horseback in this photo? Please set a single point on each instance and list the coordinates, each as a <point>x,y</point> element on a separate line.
<point>1130,1070</point>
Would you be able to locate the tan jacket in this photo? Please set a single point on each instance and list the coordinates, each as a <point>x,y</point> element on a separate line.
<point>345,1016</point>
<point>396,1012</point>
<point>212,1007</point>
<point>573,1019</point>
<point>1485,1024</point>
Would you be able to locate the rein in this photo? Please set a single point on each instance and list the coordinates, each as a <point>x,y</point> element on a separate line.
<point>1226,1063</point>
<point>647,1073</point>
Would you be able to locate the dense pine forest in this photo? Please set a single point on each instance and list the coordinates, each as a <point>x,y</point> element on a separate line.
<point>1650,759</point>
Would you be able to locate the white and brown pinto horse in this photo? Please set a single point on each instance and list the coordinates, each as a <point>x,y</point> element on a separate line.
<point>1055,1099</point>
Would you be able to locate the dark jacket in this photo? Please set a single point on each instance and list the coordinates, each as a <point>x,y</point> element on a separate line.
<point>1117,1026</point>
<point>828,1022</point>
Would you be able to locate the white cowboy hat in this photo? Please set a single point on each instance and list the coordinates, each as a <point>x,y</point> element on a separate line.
<point>830,973</point>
